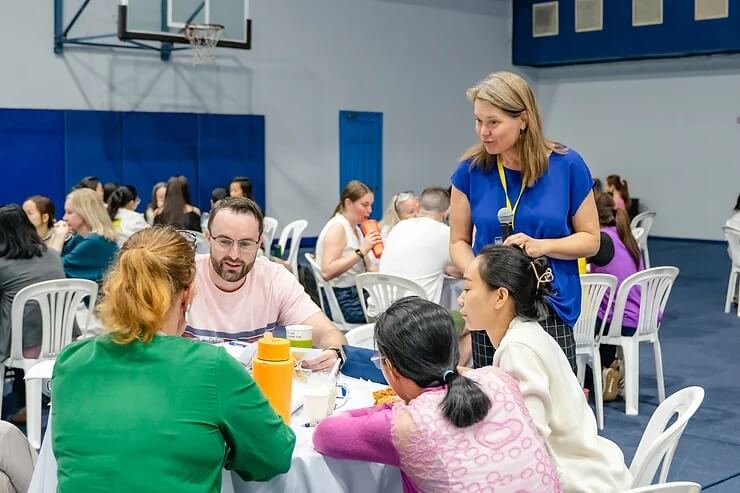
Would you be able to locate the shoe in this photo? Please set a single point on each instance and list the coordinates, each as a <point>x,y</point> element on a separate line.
<point>19,418</point>
<point>610,378</point>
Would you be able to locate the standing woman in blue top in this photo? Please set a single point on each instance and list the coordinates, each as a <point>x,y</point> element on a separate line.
<point>91,248</point>
<point>545,184</point>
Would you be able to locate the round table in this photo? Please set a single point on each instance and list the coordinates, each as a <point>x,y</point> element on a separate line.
<point>310,472</point>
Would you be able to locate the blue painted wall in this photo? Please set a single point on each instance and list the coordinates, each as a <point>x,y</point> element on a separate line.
<point>47,151</point>
<point>679,35</point>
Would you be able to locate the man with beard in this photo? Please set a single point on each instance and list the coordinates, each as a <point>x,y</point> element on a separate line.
<point>240,296</point>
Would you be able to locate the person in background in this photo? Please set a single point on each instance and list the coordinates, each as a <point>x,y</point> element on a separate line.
<point>40,211</point>
<point>155,206</point>
<point>402,206</point>
<point>178,210</point>
<point>439,410</point>
<point>175,412</point>
<point>506,295</point>
<point>734,220</point>
<point>122,211</point>
<point>17,460</point>
<point>545,185</point>
<point>24,260</point>
<point>93,184</point>
<point>241,296</point>
<point>619,255</point>
<point>108,190</point>
<point>597,187</point>
<point>241,186</point>
<point>419,248</point>
<point>619,190</point>
<point>217,194</point>
<point>92,246</point>
<point>342,252</point>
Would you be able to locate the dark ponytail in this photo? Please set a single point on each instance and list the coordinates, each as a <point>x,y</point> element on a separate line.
<point>609,215</point>
<point>419,340</point>
<point>529,281</point>
<point>118,199</point>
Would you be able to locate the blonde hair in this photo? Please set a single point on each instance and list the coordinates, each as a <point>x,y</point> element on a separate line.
<point>88,206</point>
<point>354,191</point>
<point>152,268</point>
<point>391,216</point>
<point>511,94</point>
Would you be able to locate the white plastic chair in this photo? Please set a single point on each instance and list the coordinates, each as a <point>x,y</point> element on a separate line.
<point>327,287</point>
<point>733,286</point>
<point>659,441</point>
<point>638,233</point>
<point>57,301</point>
<point>645,221</point>
<point>677,487</point>
<point>270,226</point>
<point>362,336</point>
<point>594,287</point>
<point>655,287</point>
<point>384,289</point>
<point>294,232</point>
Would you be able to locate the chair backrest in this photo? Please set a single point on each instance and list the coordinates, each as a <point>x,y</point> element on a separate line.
<point>362,336</point>
<point>326,287</point>
<point>270,225</point>
<point>655,286</point>
<point>294,232</point>
<point>733,240</point>
<point>57,301</point>
<point>677,487</point>
<point>659,442</point>
<point>639,234</point>
<point>201,244</point>
<point>643,220</point>
<point>384,289</point>
<point>594,287</point>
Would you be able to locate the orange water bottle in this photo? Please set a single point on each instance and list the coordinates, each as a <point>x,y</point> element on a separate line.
<point>272,369</point>
<point>370,226</point>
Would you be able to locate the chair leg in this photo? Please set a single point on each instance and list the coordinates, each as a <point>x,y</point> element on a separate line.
<point>659,369</point>
<point>598,388</point>
<point>646,256</point>
<point>631,351</point>
<point>33,412</point>
<point>731,289</point>
<point>2,389</point>
<point>581,360</point>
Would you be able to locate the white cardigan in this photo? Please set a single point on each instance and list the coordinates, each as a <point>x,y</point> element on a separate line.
<point>585,461</point>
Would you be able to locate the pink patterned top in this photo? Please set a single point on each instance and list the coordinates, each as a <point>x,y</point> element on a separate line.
<point>501,453</point>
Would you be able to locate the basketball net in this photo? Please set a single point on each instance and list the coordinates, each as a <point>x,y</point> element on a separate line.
<point>203,39</point>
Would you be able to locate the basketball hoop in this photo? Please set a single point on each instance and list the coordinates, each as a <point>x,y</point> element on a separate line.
<point>203,39</point>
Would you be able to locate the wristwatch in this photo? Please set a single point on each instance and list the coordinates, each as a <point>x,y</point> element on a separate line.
<point>341,356</point>
<point>359,252</point>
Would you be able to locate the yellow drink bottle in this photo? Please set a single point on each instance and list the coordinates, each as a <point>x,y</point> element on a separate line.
<point>272,369</point>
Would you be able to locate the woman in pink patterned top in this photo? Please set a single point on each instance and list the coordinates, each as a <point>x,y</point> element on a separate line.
<point>449,431</point>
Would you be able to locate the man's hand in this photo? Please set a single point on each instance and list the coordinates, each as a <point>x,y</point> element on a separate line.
<point>323,361</point>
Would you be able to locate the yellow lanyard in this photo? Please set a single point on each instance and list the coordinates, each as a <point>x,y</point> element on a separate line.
<point>502,177</point>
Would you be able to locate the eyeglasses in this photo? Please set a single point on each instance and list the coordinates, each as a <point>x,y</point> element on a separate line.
<point>401,197</point>
<point>191,238</point>
<point>245,246</point>
<point>377,360</point>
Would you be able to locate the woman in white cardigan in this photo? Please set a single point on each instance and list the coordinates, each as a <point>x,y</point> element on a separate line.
<point>504,295</point>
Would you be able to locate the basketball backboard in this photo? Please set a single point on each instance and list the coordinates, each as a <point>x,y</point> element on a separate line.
<point>165,20</point>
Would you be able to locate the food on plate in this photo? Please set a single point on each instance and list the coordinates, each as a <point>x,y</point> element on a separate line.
<point>385,396</point>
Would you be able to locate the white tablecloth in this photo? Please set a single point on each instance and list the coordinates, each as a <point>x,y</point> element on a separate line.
<point>452,287</point>
<point>309,473</point>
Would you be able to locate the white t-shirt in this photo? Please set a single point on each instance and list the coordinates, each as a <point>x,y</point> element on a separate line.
<point>734,221</point>
<point>270,296</point>
<point>129,222</point>
<point>418,249</point>
<point>585,461</point>
<point>352,237</point>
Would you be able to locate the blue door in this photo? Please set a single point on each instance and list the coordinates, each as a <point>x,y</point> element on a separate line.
<point>361,152</point>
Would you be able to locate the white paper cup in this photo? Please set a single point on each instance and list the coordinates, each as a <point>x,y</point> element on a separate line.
<point>319,397</point>
<point>300,335</point>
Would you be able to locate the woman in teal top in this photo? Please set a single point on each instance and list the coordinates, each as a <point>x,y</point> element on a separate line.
<point>91,249</point>
<point>141,409</point>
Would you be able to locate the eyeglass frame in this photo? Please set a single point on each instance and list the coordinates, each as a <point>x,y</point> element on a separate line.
<point>253,247</point>
<point>189,236</point>
<point>377,359</point>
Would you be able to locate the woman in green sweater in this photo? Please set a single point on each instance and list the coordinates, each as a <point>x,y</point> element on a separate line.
<point>88,252</point>
<point>146,410</point>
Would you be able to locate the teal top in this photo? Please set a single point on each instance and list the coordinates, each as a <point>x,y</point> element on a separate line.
<point>163,416</point>
<point>88,257</point>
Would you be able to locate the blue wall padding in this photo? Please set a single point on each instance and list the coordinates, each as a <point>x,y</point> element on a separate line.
<point>47,151</point>
<point>31,155</point>
<point>678,35</point>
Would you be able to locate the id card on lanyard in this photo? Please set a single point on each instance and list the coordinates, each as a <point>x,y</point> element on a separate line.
<point>502,177</point>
